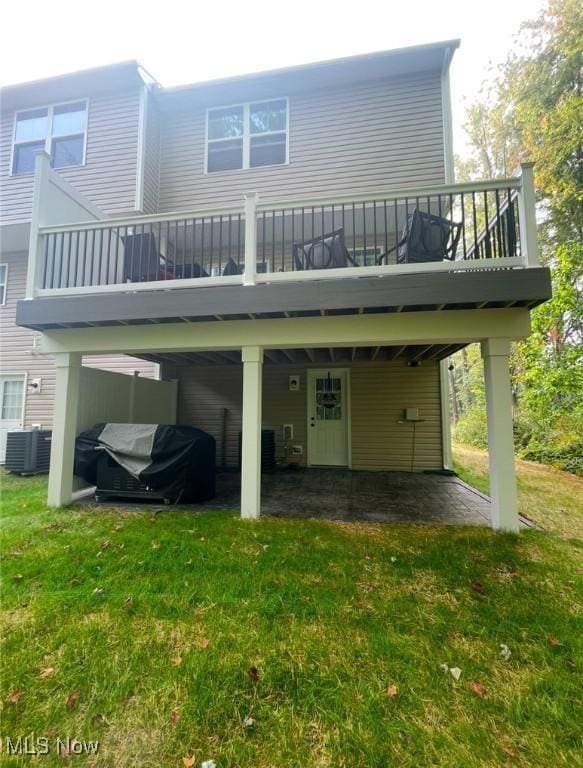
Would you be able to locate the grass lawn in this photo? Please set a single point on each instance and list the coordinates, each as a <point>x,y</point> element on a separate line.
<point>172,638</point>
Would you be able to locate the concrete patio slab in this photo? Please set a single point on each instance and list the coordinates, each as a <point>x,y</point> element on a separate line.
<point>340,494</point>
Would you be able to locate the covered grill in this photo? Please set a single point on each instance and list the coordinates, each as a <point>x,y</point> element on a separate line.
<point>147,461</point>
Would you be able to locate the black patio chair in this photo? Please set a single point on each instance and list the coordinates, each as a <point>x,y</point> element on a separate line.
<point>142,260</point>
<point>427,237</point>
<point>324,252</point>
<point>231,268</point>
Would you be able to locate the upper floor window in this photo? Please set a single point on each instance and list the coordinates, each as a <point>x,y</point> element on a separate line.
<point>59,130</point>
<point>247,136</point>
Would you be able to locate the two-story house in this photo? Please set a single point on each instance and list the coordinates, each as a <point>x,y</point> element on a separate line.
<point>304,262</point>
<point>89,124</point>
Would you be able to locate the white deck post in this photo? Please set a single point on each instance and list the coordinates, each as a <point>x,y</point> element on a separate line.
<point>251,447</point>
<point>40,194</point>
<point>68,376</point>
<point>250,238</point>
<point>500,436</point>
<point>527,214</point>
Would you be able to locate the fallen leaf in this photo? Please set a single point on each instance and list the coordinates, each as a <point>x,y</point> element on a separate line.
<point>393,559</point>
<point>17,577</point>
<point>477,586</point>
<point>552,640</point>
<point>366,587</point>
<point>118,527</point>
<point>155,545</point>
<point>105,544</point>
<point>204,643</point>
<point>455,672</point>
<point>176,661</point>
<point>253,675</point>
<point>392,690</point>
<point>15,695</point>
<point>509,751</point>
<point>570,663</point>
<point>47,672</point>
<point>189,562</point>
<point>100,719</point>
<point>208,764</point>
<point>478,689</point>
<point>98,591</point>
<point>505,651</point>
<point>188,762</point>
<point>72,699</point>
<point>248,722</point>
<point>128,602</point>
<point>444,667</point>
<point>174,717</point>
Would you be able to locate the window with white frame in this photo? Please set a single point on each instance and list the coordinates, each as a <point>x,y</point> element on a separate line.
<point>247,136</point>
<point>3,283</point>
<point>11,399</point>
<point>59,130</point>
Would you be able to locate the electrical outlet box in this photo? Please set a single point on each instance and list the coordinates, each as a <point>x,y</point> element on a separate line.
<point>411,414</point>
<point>294,383</point>
<point>35,386</point>
<point>288,432</point>
<point>297,450</point>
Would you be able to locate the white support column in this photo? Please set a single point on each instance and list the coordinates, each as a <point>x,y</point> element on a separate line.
<point>527,214</point>
<point>250,238</point>
<point>251,448</point>
<point>445,415</point>
<point>68,376</point>
<point>500,437</point>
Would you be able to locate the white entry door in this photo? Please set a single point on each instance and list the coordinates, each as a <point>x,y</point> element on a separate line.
<point>328,417</point>
<point>11,408</point>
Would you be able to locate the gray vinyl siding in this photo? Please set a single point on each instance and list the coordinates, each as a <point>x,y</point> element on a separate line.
<point>20,349</point>
<point>380,135</point>
<point>151,168</point>
<point>108,179</point>
<point>380,391</point>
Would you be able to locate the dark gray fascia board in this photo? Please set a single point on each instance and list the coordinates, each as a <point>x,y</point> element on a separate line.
<point>439,289</point>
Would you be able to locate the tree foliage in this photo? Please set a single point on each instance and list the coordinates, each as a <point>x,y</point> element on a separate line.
<point>533,110</point>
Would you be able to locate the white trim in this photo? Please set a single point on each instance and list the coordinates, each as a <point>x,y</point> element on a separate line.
<point>424,327</point>
<point>246,137</point>
<point>141,149</point>
<point>153,285</point>
<point>49,134</point>
<point>447,118</point>
<point>5,285</point>
<point>310,375</point>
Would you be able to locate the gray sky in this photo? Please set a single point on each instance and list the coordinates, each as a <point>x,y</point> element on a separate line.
<point>183,42</point>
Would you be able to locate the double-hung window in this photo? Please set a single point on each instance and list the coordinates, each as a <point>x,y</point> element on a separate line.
<point>247,136</point>
<point>59,130</point>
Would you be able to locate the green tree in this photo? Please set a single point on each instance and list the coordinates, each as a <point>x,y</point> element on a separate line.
<point>534,110</point>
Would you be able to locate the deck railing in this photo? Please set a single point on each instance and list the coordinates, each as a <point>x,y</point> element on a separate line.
<point>479,225</point>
